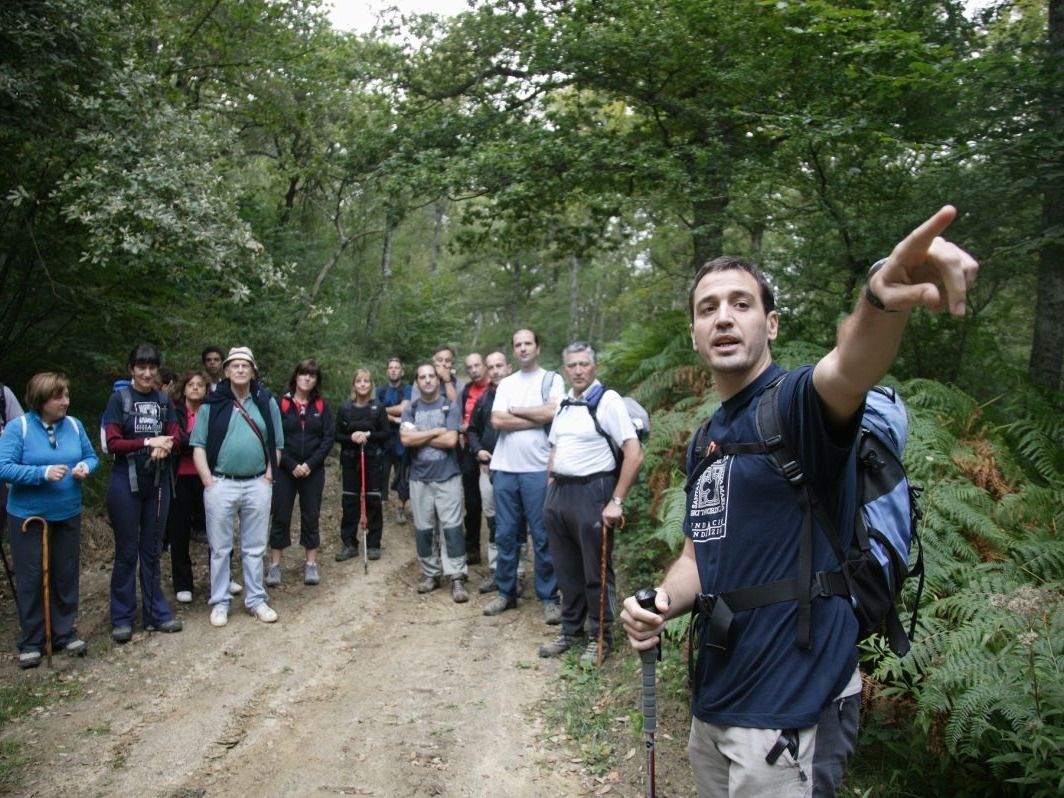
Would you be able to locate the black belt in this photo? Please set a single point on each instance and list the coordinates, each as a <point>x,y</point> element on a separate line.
<point>240,477</point>
<point>566,479</point>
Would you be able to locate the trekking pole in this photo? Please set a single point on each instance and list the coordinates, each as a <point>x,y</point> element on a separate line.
<point>362,496</point>
<point>649,657</point>
<point>44,582</point>
<point>10,578</point>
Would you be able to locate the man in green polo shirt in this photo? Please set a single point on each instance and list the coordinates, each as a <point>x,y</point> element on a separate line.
<point>237,444</point>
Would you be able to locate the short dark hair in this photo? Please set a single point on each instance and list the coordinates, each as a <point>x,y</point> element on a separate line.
<point>725,263</point>
<point>208,350</point>
<point>423,365</point>
<point>144,354</point>
<point>535,338</point>
<point>306,366</point>
<point>445,348</point>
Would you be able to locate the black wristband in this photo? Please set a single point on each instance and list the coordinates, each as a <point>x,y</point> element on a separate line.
<point>869,294</point>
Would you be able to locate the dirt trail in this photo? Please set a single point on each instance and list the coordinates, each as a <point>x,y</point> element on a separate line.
<point>363,687</point>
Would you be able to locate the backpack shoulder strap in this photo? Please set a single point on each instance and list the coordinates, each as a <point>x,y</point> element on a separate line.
<point>545,386</point>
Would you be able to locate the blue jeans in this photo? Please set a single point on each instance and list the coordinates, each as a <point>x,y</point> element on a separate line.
<point>519,497</point>
<point>224,502</point>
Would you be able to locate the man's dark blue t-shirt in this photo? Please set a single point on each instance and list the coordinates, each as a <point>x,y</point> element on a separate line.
<point>745,522</point>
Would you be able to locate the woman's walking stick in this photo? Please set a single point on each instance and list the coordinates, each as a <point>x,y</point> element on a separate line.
<point>649,657</point>
<point>44,581</point>
<point>362,496</point>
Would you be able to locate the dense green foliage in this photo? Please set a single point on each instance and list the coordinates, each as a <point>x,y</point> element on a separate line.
<point>205,171</point>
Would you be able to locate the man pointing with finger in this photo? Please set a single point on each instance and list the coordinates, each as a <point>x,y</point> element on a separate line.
<point>775,711</point>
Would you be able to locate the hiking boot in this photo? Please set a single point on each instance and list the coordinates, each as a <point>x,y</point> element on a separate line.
<point>184,597</point>
<point>373,554</point>
<point>589,659</point>
<point>29,659</point>
<point>458,591</point>
<point>346,553</point>
<point>428,584</point>
<point>235,588</point>
<point>169,627</point>
<point>310,574</point>
<point>264,613</point>
<point>552,614</point>
<point>122,634</point>
<point>500,604</point>
<point>557,646</point>
<point>219,615</point>
<point>489,585</point>
<point>76,648</point>
<point>273,575</point>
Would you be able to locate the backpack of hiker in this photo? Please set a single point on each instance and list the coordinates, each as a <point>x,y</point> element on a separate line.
<point>139,463</point>
<point>874,568</point>
<point>636,412</point>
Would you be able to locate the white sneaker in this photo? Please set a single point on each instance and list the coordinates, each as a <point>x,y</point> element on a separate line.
<point>235,588</point>
<point>184,596</point>
<point>219,615</point>
<point>264,613</point>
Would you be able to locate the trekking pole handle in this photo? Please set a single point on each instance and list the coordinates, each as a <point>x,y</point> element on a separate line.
<point>645,598</point>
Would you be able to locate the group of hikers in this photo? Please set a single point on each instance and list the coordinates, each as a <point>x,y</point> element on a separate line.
<point>213,452</point>
<point>776,688</point>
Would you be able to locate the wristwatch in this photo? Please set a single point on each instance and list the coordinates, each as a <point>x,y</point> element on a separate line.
<point>869,294</point>
<point>618,502</point>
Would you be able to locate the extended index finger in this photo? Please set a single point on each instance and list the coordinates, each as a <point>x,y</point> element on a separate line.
<point>918,242</point>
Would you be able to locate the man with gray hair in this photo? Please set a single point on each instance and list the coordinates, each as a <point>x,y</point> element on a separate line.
<point>594,460</point>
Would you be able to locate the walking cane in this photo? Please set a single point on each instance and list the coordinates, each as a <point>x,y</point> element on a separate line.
<point>362,496</point>
<point>603,590</point>
<point>649,657</point>
<point>44,580</point>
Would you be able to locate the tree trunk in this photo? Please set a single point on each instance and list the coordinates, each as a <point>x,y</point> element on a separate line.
<point>439,212</point>
<point>1047,346</point>
<point>390,222</point>
<point>574,299</point>
<point>707,234</point>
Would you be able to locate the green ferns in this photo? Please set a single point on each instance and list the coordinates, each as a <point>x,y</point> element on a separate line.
<point>985,674</point>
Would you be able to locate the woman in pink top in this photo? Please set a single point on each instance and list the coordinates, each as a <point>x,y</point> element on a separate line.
<point>187,504</point>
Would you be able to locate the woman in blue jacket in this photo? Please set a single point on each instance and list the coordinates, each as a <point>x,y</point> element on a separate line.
<point>45,455</point>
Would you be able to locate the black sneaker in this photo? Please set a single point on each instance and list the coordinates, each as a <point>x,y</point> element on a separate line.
<point>169,627</point>
<point>373,554</point>
<point>29,659</point>
<point>347,553</point>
